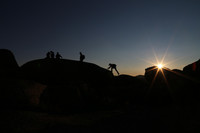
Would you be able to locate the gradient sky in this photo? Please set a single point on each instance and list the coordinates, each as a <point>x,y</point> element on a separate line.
<point>126,32</point>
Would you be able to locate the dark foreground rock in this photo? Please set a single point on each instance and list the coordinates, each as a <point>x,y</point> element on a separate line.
<point>54,71</point>
<point>71,85</point>
<point>71,96</point>
<point>8,64</point>
<point>172,87</point>
<point>15,91</point>
<point>193,69</point>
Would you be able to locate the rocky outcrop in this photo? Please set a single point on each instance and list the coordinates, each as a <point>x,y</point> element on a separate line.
<point>32,91</point>
<point>8,66</point>
<point>20,93</point>
<point>171,86</point>
<point>71,85</point>
<point>54,71</point>
<point>129,90</point>
<point>193,69</point>
<point>15,91</point>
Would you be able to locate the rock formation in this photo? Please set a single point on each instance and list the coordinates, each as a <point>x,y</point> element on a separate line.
<point>8,66</point>
<point>193,69</point>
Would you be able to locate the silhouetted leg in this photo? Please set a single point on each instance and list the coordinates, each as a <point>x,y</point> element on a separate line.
<point>112,70</point>
<point>116,71</point>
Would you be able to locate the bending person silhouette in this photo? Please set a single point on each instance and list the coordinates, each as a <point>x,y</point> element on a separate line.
<point>82,57</point>
<point>113,66</point>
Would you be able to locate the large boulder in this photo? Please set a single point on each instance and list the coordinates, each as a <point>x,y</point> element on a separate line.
<point>129,90</point>
<point>171,86</point>
<point>56,71</point>
<point>155,76</point>
<point>20,93</point>
<point>158,92</point>
<point>15,90</point>
<point>193,69</point>
<point>8,63</point>
<point>71,85</point>
<point>32,91</point>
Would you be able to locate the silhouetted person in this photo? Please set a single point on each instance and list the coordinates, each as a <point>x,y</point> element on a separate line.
<point>113,66</point>
<point>52,55</point>
<point>58,56</point>
<point>82,57</point>
<point>48,55</point>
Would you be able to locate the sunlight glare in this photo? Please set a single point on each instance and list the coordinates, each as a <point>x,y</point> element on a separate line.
<point>160,66</point>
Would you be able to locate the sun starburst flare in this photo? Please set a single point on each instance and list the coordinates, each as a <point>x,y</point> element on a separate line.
<point>160,66</point>
<point>161,77</point>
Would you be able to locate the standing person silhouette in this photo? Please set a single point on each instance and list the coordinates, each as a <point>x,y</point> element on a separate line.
<point>113,66</point>
<point>82,57</point>
<point>48,55</point>
<point>52,54</point>
<point>58,56</point>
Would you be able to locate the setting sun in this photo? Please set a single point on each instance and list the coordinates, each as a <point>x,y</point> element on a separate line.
<point>159,66</point>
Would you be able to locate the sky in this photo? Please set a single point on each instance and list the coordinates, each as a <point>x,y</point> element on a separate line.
<point>129,33</point>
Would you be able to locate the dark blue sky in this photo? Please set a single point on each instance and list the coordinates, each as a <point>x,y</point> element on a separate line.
<point>126,32</point>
